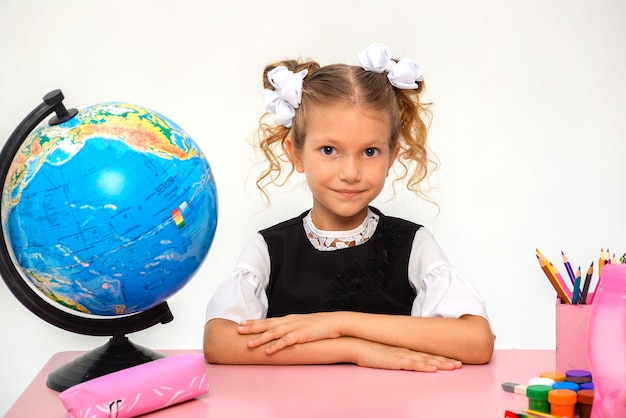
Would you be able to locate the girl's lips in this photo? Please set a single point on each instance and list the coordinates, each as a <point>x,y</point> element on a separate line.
<point>349,192</point>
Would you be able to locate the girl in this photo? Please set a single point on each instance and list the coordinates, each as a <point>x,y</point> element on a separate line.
<point>343,282</point>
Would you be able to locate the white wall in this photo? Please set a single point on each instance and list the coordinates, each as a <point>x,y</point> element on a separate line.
<point>529,104</point>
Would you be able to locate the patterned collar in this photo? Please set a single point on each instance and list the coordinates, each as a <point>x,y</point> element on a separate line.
<point>336,240</point>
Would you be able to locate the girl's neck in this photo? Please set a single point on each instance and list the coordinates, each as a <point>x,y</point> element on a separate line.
<point>325,221</point>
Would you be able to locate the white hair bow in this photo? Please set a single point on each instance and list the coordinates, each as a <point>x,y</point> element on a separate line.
<point>403,74</point>
<point>286,96</point>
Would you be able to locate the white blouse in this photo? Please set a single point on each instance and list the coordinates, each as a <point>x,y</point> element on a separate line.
<point>440,291</point>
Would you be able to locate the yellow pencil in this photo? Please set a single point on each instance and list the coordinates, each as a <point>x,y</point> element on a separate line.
<point>564,293</point>
<point>554,281</point>
<point>601,261</point>
<point>539,414</point>
<point>561,281</point>
<point>540,255</point>
<point>550,266</point>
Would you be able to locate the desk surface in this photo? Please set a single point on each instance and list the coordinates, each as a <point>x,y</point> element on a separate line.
<point>331,391</point>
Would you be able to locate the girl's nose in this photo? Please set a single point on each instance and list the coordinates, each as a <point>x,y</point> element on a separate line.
<point>350,169</point>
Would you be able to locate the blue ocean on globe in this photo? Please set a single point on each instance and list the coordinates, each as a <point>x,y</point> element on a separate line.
<point>111,212</point>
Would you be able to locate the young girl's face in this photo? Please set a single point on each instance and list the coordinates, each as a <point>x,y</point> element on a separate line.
<point>346,157</point>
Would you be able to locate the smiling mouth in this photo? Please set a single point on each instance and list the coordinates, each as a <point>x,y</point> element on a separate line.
<point>349,192</point>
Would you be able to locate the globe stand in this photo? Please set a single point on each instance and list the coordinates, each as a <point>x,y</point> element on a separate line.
<point>117,354</point>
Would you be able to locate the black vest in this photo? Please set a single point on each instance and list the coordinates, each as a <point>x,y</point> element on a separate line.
<point>371,277</point>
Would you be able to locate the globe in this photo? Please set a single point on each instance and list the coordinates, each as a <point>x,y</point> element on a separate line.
<point>107,211</point>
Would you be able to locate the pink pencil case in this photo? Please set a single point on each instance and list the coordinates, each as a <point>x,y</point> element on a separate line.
<point>139,389</point>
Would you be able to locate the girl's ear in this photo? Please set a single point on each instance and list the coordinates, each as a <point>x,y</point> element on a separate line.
<point>295,155</point>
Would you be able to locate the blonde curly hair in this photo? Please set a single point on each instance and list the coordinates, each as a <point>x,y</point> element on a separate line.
<point>340,83</point>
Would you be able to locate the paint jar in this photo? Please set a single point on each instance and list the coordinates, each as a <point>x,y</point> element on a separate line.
<point>579,380</point>
<point>578,373</point>
<point>538,397</point>
<point>586,386</point>
<point>607,343</point>
<point>540,381</point>
<point>566,385</point>
<point>585,400</point>
<point>556,376</point>
<point>563,403</point>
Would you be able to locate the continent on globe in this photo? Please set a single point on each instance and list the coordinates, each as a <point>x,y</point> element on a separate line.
<point>111,212</point>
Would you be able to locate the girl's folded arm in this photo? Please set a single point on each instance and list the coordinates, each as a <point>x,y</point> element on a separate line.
<point>223,344</point>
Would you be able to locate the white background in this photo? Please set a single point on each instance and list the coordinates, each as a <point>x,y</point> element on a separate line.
<point>529,103</point>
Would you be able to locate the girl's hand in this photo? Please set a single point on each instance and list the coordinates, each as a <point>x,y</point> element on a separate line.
<point>382,356</point>
<point>289,330</point>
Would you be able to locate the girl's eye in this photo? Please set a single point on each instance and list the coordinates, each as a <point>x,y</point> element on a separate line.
<point>327,150</point>
<point>370,152</point>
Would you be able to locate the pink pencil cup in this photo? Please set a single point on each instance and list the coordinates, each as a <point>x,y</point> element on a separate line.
<point>572,327</point>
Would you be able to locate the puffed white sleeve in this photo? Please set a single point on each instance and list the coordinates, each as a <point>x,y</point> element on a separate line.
<point>440,290</point>
<point>242,293</point>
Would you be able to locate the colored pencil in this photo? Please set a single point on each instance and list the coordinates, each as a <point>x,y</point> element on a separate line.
<point>568,267</point>
<point>555,272</point>
<point>585,292</point>
<point>600,261</point>
<point>562,281</point>
<point>593,295</point>
<point>576,291</point>
<point>557,276</point>
<point>554,281</point>
<point>538,414</point>
<point>540,255</point>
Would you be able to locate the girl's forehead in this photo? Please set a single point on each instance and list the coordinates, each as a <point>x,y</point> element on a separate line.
<point>346,122</point>
<point>339,108</point>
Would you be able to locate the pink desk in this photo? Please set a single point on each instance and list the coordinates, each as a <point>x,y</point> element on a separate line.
<point>331,391</point>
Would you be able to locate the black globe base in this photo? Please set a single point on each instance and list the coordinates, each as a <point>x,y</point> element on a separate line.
<point>117,354</point>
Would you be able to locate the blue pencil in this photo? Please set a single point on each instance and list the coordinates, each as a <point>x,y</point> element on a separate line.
<point>568,267</point>
<point>576,291</point>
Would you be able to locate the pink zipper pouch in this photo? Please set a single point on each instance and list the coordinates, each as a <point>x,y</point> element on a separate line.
<point>139,389</point>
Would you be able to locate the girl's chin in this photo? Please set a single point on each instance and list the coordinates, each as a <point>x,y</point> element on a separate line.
<point>339,219</point>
